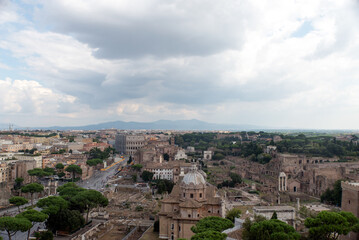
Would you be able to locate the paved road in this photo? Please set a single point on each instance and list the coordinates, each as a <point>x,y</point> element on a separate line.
<point>99,180</point>
<point>23,235</point>
<point>14,210</point>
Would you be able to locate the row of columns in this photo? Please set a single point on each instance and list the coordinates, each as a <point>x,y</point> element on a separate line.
<point>282,183</point>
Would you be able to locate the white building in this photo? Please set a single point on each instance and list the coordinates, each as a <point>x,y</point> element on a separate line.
<point>207,155</point>
<point>163,173</point>
<point>284,213</point>
<point>180,155</point>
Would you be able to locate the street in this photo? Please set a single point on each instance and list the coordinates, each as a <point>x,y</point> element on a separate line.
<point>99,180</point>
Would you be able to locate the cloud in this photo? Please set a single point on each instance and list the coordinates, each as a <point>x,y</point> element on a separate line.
<point>137,28</point>
<point>23,96</point>
<point>7,12</point>
<point>249,61</point>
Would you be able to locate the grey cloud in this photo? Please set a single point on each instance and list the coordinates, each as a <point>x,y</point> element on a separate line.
<point>201,30</point>
<point>173,84</point>
<point>3,3</point>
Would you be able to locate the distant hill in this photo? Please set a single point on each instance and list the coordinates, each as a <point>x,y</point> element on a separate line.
<point>159,125</point>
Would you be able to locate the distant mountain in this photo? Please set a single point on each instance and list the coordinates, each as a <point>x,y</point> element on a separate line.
<point>159,125</point>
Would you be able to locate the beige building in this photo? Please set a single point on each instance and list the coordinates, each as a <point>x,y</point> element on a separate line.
<point>16,147</point>
<point>37,159</point>
<point>350,203</point>
<point>3,172</point>
<point>190,200</point>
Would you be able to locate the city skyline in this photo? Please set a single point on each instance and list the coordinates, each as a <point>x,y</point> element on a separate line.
<point>282,64</point>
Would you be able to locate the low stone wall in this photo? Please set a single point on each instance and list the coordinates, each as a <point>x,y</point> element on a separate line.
<point>92,234</point>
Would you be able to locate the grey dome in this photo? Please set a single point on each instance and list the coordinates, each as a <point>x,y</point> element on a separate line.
<point>203,173</point>
<point>193,177</point>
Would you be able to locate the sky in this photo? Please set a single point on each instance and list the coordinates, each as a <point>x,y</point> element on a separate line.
<point>278,63</point>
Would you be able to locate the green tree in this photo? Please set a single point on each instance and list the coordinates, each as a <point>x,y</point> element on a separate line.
<point>87,200</point>
<point>59,166</point>
<point>218,156</point>
<point>213,223</point>
<point>246,235</point>
<point>164,185</point>
<point>147,176</point>
<point>19,180</point>
<point>97,153</point>
<point>233,213</point>
<point>65,220</point>
<point>61,174</point>
<point>33,216</point>
<point>50,171</point>
<point>236,178</point>
<point>272,229</point>
<point>139,208</point>
<point>69,190</point>
<point>333,196</point>
<point>137,167</point>
<point>166,157</point>
<point>38,172</point>
<point>48,235</point>
<point>32,188</point>
<point>274,216</point>
<point>330,225</point>
<point>209,235</point>
<point>94,162</point>
<point>264,158</point>
<point>129,160</point>
<point>18,201</point>
<point>134,178</point>
<point>60,217</point>
<point>18,183</point>
<point>74,169</point>
<point>52,204</point>
<point>12,225</point>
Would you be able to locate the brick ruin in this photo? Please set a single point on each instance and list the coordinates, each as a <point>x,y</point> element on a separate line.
<point>296,174</point>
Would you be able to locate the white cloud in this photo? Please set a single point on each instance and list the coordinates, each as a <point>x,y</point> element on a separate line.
<point>23,96</point>
<point>225,62</point>
<point>8,12</point>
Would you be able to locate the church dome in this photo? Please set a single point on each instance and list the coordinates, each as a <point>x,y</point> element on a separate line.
<point>203,173</point>
<point>193,176</point>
